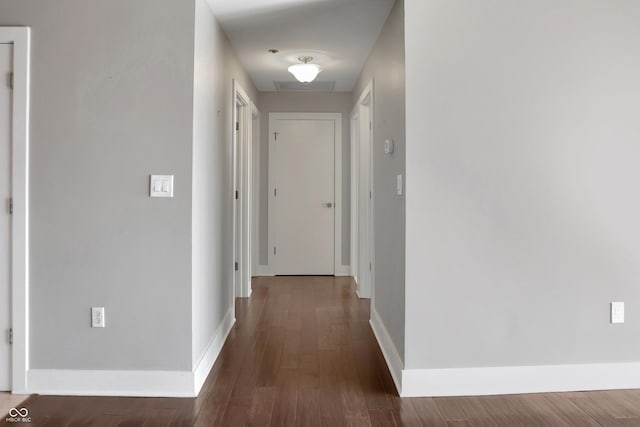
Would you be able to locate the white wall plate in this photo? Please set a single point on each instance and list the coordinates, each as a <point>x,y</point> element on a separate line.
<point>161,186</point>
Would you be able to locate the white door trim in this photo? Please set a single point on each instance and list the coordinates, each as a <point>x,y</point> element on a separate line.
<point>338,268</point>
<point>355,139</point>
<point>20,38</point>
<point>366,285</point>
<point>255,171</point>
<point>242,158</point>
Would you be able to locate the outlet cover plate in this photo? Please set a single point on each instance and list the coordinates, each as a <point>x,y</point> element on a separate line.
<point>97,317</point>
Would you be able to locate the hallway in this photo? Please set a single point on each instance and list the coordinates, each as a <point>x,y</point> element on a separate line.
<point>302,354</point>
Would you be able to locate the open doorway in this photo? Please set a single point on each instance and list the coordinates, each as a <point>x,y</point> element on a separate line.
<point>362,194</point>
<point>244,113</point>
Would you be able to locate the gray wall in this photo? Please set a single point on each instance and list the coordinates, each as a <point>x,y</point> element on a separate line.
<point>386,67</point>
<point>522,149</point>
<point>111,103</point>
<point>215,67</point>
<point>294,102</point>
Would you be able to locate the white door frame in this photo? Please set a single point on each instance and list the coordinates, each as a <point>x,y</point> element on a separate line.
<point>355,141</point>
<point>338,268</point>
<point>255,193</point>
<point>242,182</point>
<point>363,116</point>
<point>20,38</point>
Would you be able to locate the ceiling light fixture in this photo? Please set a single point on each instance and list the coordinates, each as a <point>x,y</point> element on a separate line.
<point>305,72</point>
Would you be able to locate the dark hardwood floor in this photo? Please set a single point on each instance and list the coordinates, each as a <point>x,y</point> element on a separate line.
<point>302,354</point>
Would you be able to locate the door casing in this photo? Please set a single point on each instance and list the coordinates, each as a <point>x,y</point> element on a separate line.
<point>363,194</point>
<point>20,38</point>
<point>6,104</point>
<point>244,110</point>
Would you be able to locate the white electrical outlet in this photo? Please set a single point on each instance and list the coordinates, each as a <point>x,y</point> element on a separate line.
<point>617,312</point>
<point>97,317</point>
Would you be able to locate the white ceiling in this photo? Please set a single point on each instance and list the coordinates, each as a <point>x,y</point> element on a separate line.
<point>338,33</point>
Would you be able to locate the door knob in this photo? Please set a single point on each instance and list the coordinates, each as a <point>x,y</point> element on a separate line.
<point>328,205</point>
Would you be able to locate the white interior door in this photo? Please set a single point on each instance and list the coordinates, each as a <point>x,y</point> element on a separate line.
<point>6,61</point>
<point>304,198</point>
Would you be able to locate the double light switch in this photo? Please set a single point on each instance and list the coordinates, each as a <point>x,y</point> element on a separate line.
<point>161,186</point>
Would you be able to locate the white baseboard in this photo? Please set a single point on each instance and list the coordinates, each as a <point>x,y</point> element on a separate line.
<point>68,382</point>
<point>501,380</point>
<point>391,356</point>
<point>519,379</point>
<point>265,271</point>
<point>342,270</point>
<point>204,365</point>
<point>262,270</point>
<point>244,290</point>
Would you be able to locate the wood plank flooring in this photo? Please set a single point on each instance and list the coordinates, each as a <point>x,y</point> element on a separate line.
<point>302,354</point>
<point>8,401</point>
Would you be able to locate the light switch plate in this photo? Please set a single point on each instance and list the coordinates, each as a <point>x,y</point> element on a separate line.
<point>617,312</point>
<point>161,186</point>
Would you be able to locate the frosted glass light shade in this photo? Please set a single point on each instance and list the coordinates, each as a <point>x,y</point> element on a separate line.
<point>305,73</point>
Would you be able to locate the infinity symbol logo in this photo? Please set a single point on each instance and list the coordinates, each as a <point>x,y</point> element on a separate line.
<point>22,412</point>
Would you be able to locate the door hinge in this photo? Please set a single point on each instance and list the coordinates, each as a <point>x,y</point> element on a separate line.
<point>369,266</point>
<point>275,136</point>
<point>11,80</point>
<point>11,205</point>
<point>236,266</point>
<point>275,192</point>
<point>10,335</point>
<point>237,195</point>
<point>237,126</point>
<point>370,195</point>
<point>274,250</point>
<point>370,126</point>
